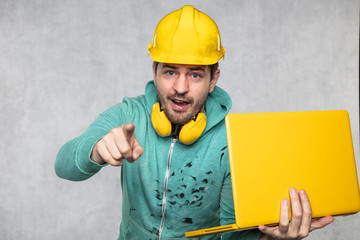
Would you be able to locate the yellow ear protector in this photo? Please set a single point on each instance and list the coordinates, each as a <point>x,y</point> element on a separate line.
<point>189,132</point>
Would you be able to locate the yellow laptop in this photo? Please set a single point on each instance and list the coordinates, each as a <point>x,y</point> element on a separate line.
<point>272,152</point>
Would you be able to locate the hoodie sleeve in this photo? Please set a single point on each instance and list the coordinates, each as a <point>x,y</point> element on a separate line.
<point>227,213</point>
<point>73,160</point>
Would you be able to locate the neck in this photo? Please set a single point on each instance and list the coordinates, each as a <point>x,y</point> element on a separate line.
<point>176,129</point>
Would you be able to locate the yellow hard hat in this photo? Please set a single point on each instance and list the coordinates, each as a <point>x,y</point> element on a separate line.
<point>187,36</point>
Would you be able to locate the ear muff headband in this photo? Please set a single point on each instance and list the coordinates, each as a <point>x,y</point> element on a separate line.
<point>189,133</point>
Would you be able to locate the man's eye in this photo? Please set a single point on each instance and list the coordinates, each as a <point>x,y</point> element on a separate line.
<point>195,75</point>
<point>171,73</point>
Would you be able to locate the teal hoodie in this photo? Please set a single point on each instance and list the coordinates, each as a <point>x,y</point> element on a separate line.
<point>172,188</point>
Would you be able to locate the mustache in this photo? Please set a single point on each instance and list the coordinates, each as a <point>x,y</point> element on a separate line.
<point>180,97</point>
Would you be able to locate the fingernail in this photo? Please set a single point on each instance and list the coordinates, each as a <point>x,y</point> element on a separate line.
<point>284,202</point>
<point>293,191</point>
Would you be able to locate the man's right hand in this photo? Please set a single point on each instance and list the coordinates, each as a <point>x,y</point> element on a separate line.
<point>120,143</point>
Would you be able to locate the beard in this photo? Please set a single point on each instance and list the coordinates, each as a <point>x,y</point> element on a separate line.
<point>177,117</point>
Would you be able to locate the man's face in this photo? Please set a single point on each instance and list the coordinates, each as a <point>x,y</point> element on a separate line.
<point>183,89</point>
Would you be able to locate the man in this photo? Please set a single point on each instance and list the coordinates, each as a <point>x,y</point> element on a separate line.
<point>176,176</point>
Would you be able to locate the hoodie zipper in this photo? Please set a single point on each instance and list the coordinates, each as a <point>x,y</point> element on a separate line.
<point>173,140</point>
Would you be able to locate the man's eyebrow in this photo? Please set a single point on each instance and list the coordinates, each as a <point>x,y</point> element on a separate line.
<point>200,68</point>
<point>197,69</point>
<point>169,66</point>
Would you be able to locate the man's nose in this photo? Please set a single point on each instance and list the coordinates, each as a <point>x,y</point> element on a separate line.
<point>181,84</point>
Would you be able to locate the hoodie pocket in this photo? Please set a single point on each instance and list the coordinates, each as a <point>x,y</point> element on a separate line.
<point>134,231</point>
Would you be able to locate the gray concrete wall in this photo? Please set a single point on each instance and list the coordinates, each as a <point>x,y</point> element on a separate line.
<point>62,62</point>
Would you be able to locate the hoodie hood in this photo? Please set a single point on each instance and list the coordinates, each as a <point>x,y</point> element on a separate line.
<point>218,104</point>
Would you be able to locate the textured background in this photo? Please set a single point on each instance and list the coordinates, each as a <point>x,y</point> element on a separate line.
<point>62,62</point>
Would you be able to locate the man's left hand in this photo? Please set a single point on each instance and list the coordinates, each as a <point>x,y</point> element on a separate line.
<point>301,223</point>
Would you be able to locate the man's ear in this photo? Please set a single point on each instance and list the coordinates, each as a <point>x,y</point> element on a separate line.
<point>154,73</point>
<point>214,80</point>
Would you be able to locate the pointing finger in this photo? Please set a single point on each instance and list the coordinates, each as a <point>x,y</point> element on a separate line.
<point>129,130</point>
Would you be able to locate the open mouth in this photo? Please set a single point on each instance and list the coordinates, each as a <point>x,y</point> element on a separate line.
<point>179,104</point>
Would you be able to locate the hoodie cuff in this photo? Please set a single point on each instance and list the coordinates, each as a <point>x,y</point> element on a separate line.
<point>254,234</point>
<point>251,234</point>
<point>83,160</point>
